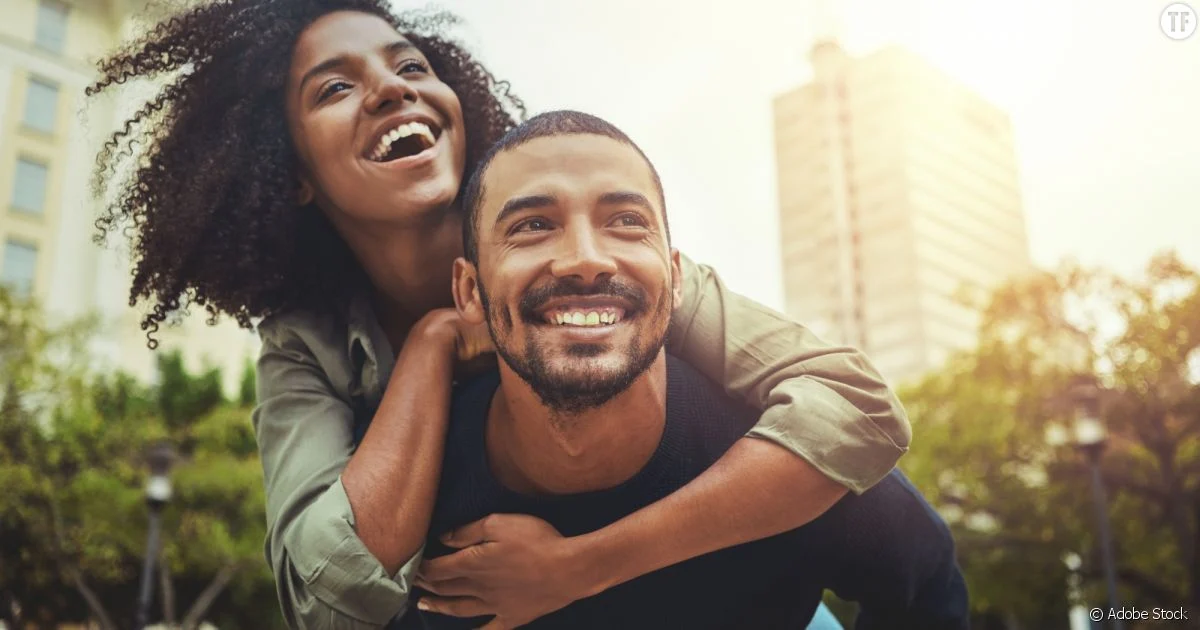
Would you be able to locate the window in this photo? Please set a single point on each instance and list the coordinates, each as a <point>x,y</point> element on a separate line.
<point>51,25</point>
<point>20,267</point>
<point>41,105</point>
<point>29,189</point>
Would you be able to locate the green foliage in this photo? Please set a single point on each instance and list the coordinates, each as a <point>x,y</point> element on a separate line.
<point>248,392</point>
<point>1017,501</point>
<point>72,463</point>
<point>182,398</point>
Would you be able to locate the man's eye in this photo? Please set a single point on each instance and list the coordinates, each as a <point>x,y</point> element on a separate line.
<point>532,225</point>
<point>630,219</point>
<point>331,89</point>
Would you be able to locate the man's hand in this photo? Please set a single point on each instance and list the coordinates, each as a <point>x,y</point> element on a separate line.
<point>515,567</point>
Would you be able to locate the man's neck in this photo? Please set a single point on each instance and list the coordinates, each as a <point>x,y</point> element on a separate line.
<point>534,450</point>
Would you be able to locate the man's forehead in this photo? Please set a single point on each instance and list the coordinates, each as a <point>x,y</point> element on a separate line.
<point>570,163</point>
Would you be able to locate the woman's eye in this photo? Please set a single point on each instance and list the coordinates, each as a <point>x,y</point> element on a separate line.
<point>331,89</point>
<point>413,66</point>
<point>532,225</point>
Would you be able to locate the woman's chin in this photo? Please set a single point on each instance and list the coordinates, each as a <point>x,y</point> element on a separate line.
<point>415,207</point>
<point>429,198</point>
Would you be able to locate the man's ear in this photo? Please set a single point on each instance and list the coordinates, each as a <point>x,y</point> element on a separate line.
<point>676,280</point>
<point>304,195</point>
<point>466,291</point>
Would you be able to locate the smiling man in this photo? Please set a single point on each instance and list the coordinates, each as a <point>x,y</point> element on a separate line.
<point>569,263</point>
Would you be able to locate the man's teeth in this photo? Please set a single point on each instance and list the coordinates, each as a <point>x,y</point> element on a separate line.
<point>403,131</point>
<point>588,318</point>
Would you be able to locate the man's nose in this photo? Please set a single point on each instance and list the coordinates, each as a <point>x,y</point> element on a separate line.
<point>584,256</point>
<point>388,91</point>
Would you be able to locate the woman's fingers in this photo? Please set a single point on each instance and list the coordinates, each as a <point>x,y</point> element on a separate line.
<point>454,606</point>
<point>457,587</point>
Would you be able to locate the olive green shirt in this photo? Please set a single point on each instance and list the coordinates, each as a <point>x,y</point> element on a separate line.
<point>318,373</point>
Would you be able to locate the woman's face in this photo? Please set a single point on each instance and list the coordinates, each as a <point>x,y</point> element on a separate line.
<point>380,137</point>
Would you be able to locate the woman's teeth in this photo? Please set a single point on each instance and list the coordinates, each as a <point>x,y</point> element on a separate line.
<point>584,318</point>
<point>419,129</point>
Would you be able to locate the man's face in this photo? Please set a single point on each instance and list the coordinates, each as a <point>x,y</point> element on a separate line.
<point>576,279</point>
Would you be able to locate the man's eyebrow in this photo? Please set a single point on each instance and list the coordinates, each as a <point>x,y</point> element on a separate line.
<point>528,202</point>
<point>335,62</point>
<point>626,197</point>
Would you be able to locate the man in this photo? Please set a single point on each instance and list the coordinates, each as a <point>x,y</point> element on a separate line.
<point>569,262</point>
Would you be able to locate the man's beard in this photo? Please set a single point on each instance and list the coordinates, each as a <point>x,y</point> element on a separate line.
<point>573,393</point>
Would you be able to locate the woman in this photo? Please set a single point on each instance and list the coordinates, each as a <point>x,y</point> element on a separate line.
<point>262,192</point>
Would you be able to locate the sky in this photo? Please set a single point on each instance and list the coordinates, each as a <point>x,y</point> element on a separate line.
<point>1105,107</point>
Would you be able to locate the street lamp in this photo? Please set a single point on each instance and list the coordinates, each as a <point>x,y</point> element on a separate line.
<point>1091,438</point>
<point>158,492</point>
<point>1077,613</point>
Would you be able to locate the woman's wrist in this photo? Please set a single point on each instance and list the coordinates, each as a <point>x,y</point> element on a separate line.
<point>608,557</point>
<point>445,332</point>
<point>435,329</point>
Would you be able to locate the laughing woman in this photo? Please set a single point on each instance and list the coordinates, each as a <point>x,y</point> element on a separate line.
<point>255,188</point>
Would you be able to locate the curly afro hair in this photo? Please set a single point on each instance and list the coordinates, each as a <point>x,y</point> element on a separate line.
<point>203,178</point>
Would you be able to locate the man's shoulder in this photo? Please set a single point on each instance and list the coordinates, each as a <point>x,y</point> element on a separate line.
<point>890,551</point>
<point>697,397</point>
<point>464,459</point>
<point>889,525</point>
<point>470,400</point>
<point>701,418</point>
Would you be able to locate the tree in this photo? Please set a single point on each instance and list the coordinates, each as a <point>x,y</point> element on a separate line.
<point>72,517</point>
<point>247,391</point>
<point>1019,502</point>
<point>40,365</point>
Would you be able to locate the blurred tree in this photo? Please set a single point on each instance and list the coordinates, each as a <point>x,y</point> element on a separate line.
<point>39,365</point>
<point>989,431</point>
<point>72,517</point>
<point>248,392</point>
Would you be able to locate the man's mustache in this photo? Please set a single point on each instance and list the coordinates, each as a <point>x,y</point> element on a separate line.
<point>536,298</point>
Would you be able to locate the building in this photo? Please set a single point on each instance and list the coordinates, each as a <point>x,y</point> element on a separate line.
<point>49,135</point>
<point>897,192</point>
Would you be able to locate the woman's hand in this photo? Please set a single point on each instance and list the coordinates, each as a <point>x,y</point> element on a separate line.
<point>471,344</point>
<point>513,566</point>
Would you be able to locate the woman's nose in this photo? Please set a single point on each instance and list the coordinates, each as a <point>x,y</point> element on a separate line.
<point>389,91</point>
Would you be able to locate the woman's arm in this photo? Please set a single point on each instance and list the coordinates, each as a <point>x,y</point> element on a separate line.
<point>825,403</point>
<point>829,423</point>
<point>345,530</point>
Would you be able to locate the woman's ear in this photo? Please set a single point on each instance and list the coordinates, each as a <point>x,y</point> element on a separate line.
<point>466,291</point>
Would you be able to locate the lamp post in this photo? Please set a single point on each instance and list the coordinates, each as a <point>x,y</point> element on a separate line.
<point>1091,440</point>
<point>1077,613</point>
<point>158,492</point>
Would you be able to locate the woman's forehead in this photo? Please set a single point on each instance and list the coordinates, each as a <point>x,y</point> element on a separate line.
<point>343,34</point>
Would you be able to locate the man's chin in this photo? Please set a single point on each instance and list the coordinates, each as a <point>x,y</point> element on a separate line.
<point>578,351</point>
<point>582,384</point>
<point>586,364</point>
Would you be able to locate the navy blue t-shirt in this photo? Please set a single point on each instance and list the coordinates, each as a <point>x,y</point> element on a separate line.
<point>886,549</point>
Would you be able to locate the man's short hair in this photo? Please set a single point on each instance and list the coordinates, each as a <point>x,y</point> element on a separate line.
<point>554,123</point>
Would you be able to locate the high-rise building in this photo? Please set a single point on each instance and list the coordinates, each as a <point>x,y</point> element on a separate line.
<point>49,136</point>
<point>897,190</point>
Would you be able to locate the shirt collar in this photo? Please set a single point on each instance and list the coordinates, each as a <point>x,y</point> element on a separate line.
<point>370,353</point>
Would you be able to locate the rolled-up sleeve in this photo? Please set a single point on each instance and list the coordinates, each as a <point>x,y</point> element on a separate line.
<point>325,577</point>
<point>825,403</point>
